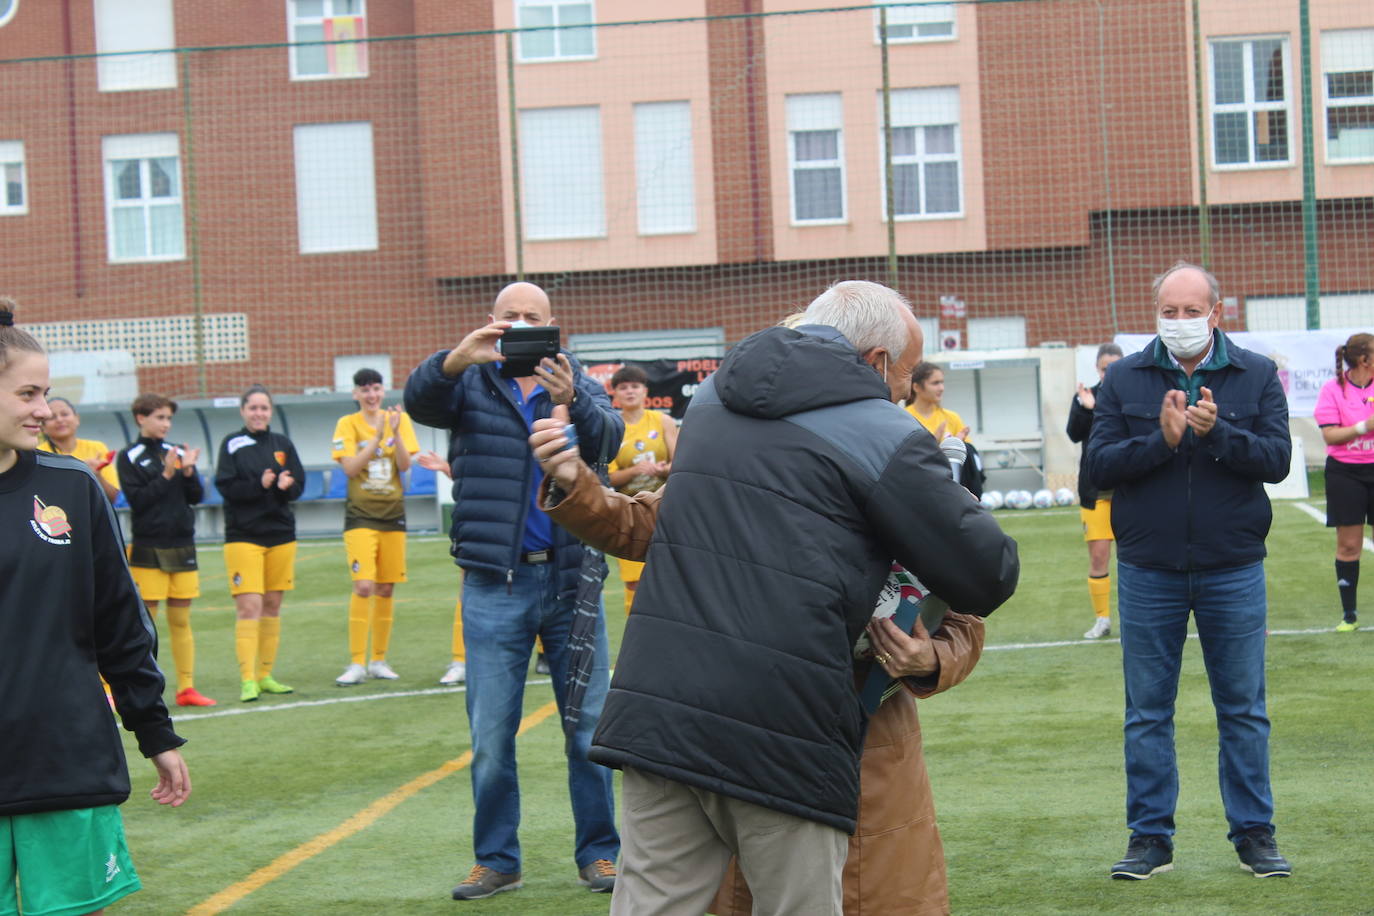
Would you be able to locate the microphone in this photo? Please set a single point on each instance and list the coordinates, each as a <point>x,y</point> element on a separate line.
<point>956,453</point>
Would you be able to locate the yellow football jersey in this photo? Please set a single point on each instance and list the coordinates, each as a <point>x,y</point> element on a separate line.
<point>376,498</point>
<point>953,422</point>
<point>644,441</point>
<point>85,450</point>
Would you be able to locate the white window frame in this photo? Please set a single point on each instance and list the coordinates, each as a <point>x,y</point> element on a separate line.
<point>1249,107</point>
<point>149,25</point>
<point>361,49</point>
<point>814,122</point>
<point>12,154</point>
<point>939,107</point>
<point>557,6</point>
<point>321,187</point>
<point>1347,51</point>
<point>140,147</point>
<point>901,15</point>
<point>658,165</point>
<point>6,16</point>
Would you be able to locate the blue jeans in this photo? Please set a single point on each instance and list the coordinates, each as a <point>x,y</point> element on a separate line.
<point>499,627</point>
<point>1229,608</point>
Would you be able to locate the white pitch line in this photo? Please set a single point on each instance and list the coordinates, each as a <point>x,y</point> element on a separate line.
<point>1321,517</point>
<point>356,698</point>
<point>1097,642</point>
<point>440,691</point>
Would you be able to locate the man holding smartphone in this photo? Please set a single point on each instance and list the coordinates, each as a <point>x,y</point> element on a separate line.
<point>520,574</point>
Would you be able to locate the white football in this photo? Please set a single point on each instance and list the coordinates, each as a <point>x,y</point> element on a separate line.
<point>1064,497</point>
<point>1018,499</point>
<point>991,499</point>
<point>1043,499</point>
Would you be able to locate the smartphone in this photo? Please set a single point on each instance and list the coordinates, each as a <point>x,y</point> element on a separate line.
<point>523,348</point>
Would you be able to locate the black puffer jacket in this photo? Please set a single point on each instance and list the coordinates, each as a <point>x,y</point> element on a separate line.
<point>795,484</point>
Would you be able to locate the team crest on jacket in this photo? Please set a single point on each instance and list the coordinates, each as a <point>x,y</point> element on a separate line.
<point>281,458</point>
<point>50,523</point>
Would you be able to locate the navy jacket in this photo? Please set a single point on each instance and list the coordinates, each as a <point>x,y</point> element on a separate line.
<point>1201,505</point>
<point>795,484</point>
<point>493,468</point>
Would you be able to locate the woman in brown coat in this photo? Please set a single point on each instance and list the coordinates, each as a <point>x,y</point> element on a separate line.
<point>896,864</point>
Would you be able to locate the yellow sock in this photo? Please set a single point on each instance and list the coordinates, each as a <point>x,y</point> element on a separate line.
<point>458,653</point>
<point>269,635</point>
<point>629,597</point>
<point>1100,591</point>
<point>183,645</point>
<point>358,608</point>
<point>382,616</point>
<point>246,645</point>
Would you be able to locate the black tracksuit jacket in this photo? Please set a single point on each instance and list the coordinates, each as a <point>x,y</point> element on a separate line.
<point>69,613</point>
<point>161,509</point>
<point>252,512</point>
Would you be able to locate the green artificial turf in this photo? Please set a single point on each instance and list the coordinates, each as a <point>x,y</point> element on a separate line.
<point>1025,757</point>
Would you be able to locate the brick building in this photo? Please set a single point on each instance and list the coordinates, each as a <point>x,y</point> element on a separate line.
<point>679,171</point>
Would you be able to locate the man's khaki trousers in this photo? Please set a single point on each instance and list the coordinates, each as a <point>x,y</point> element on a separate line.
<point>676,841</point>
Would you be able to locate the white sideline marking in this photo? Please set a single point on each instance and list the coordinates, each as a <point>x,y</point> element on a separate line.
<point>437,691</point>
<point>245,709</point>
<point>1321,517</point>
<point>1116,640</point>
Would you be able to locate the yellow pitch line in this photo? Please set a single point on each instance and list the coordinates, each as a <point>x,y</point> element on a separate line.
<point>355,824</point>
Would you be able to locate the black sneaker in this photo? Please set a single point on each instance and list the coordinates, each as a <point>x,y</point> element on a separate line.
<point>1259,854</point>
<point>483,882</point>
<point>1145,856</point>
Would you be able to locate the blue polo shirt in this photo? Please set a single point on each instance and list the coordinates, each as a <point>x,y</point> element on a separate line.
<point>538,525</point>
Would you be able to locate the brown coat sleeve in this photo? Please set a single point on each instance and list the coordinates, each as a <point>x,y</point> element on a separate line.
<point>617,524</point>
<point>958,646</point>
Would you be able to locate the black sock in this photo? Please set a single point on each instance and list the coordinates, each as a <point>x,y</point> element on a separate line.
<point>1347,577</point>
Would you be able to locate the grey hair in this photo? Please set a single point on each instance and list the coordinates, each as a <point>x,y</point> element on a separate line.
<point>1108,349</point>
<point>1213,287</point>
<point>868,315</point>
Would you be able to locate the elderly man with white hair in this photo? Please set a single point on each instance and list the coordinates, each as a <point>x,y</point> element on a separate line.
<point>733,711</point>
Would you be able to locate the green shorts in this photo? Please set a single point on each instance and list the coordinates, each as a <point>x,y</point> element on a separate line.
<point>64,863</point>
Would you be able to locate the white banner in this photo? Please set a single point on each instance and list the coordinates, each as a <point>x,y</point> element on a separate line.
<point>1306,359</point>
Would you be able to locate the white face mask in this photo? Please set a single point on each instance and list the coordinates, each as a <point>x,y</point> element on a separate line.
<point>1185,337</point>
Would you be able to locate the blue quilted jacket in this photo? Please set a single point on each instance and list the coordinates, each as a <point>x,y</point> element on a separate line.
<point>491,461</point>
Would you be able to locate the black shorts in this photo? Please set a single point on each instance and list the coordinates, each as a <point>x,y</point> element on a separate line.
<point>1349,493</point>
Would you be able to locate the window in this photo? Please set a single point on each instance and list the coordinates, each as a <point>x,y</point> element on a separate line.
<point>560,173</point>
<point>996,333</point>
<point>1250,102</point>
<point>7,10</point>
<point>134,25</point>
<point>925,152</point>
<point>815,154</point>
<point>143,198</point>
<point>566,41</point>
<point>336,195</point>
<point>929,22</point>
<point>14,197</point>
<point>663,168</point>
<point>327,20</point>
<point>1348,80</point>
